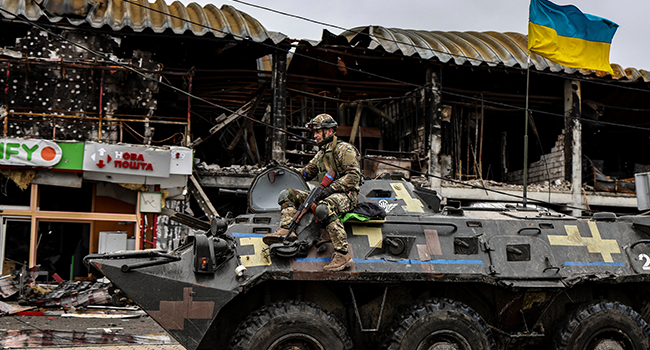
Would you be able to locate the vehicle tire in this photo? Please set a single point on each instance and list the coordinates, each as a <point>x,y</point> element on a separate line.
<point>291,325</point>
<point>440,324</point>
<point>604,325</point>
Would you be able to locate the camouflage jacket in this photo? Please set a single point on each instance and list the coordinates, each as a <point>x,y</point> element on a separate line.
<point>346,163</point>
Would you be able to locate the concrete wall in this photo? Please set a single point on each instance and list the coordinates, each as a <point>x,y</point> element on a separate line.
<point>537,173</point>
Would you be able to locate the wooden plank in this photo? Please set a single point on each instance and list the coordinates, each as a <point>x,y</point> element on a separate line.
<point>201,198</point>
<point>242,111</point>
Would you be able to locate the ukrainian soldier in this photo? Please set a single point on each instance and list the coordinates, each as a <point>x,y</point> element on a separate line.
<point>336,199</point>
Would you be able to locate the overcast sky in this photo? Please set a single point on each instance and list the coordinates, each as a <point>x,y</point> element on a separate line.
<point>629,47</point>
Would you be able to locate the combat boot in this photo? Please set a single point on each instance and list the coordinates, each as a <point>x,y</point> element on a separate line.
<point>339,262</point>
<point>278,235</point>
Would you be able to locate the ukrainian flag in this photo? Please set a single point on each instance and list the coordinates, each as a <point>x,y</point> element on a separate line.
<point>569,37</point>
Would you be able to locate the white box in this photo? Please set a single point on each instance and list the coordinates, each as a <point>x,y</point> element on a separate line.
<point>112,241</point>
<point>642,184</point>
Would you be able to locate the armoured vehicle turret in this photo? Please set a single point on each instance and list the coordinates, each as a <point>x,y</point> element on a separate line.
<point>424,277</point>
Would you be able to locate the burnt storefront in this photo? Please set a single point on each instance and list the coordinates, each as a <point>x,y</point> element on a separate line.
<point>64,200</point>
<point>113,95</point>
<point>452,105</point>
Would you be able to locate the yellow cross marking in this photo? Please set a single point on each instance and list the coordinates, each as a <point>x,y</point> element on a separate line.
<point>412,205</point>
<point>595,244</point>
<point>257,259</point>
<point>374,234</point>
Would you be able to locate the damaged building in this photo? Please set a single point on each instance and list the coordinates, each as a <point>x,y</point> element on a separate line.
<point>159,116</point>
<point>456,111</point>
<point>97,130</point>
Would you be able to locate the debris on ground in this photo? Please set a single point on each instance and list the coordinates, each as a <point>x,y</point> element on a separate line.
<point>555,186</point>
<point>46,338</point>
<point>22,286</point>
<point>64,313</point>
<point>73,294</point>
<point>420,180</point>
<point>94,312</point>
<point>107,326</point>
<point>7,287</point>
<point>214,169</point>
<point>602,182</point>
<point>8,309</point>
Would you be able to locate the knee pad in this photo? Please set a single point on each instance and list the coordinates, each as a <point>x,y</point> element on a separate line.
<point>283,195</point>
<point>322,212</point>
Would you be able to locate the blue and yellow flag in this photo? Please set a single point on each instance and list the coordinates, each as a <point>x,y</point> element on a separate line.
<point>569,37</point>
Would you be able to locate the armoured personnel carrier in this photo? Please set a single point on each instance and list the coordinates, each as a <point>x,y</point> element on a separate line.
<point>424,277</point>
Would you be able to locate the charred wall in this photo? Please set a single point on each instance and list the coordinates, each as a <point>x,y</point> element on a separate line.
<point>55,90</point>
<point>550,167</point>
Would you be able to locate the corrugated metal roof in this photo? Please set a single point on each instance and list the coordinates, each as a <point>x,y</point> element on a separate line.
<point>475,48</point>
<point>141,14</point>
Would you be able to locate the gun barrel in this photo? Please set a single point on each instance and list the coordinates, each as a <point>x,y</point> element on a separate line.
<point>304,207</point>
<point>311,198</point>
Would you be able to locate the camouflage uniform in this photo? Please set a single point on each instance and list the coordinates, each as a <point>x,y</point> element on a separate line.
<point>344,159</point>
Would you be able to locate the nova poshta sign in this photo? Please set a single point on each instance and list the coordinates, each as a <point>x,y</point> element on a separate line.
<point>117,159</point>
<point>29,152</point>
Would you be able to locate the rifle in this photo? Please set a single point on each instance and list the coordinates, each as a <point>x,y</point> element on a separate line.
<point>309,201</point>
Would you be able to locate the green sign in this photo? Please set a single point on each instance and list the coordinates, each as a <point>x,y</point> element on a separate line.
<point>73,154</point>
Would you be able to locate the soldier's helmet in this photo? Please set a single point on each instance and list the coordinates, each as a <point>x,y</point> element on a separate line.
<point>322,121</point>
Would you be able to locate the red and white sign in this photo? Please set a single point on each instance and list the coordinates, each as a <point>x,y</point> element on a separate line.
<point>29,152</point>
<point>126,160</point>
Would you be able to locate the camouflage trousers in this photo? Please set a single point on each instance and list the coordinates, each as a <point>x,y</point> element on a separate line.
<point>337,204</point>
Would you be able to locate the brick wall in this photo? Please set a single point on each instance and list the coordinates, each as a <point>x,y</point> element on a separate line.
<point>537,170</point>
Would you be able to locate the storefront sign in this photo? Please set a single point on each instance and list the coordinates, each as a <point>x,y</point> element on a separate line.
<point>72,159</point>
<point>29,152</point>
<point>126,160</point>
<point>181,160</point>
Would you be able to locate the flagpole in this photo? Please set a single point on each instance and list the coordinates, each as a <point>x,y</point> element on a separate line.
<point>526,132</point>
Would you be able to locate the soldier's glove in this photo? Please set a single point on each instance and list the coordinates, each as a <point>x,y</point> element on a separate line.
<point>327,191</point>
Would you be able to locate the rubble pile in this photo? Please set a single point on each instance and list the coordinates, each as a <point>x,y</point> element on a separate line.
<point>214,169</point>
<point>421,181</point>
<point>22,286</point>
<point>555,186</point>
<point>71,294</point>
<point>69,307</point>
<point>7,287</point>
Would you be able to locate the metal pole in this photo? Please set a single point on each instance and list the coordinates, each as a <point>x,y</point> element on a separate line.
<point>189,111</point>
<point>526,132</point>
<point>101,107</point>
<point>6,118</point>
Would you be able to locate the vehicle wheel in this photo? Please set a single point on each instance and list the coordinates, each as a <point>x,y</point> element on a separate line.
<point>441,324</point>
<point>291,325</point>
<point>604,325</point>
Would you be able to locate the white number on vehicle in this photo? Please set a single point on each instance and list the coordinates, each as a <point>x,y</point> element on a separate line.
<point>646,265</point>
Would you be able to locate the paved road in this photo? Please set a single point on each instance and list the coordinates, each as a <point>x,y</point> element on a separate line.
<point>122,347</point>
<point>142,325</point>
<point>48,331</point>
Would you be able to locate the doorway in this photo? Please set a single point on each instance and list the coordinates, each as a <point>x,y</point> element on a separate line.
<point>61,248</point>
<point>14,243</point>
